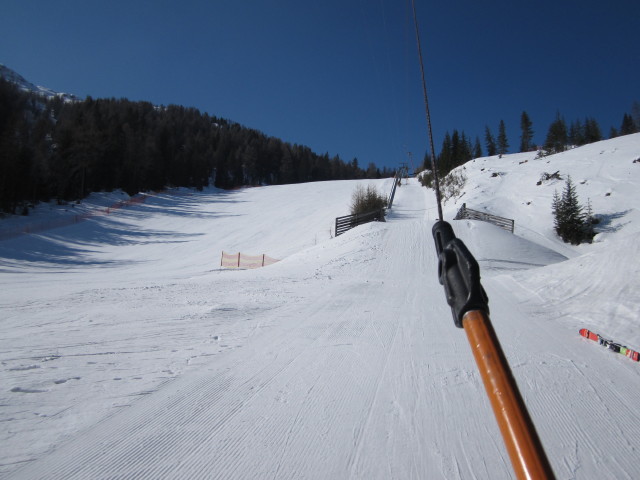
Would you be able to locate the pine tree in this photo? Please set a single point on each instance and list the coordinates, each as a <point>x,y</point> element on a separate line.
<point>526,139</point>
<point>456,149</point>
<point>490,141</point>
<point>570,223</point>
<point>635,114</point>
<point>477,149</point>
<point>445,159</point>
<point>576,133</point>
<point>372,171</point>
<point>592,131</point>
<point>466,153</point>
<point>428,164</point>
<point>503,144</point>
<point>572,211</point>
<point>628,125</point>
<point>613,133</point>
<point>557,137</point>
<point>558,212</point>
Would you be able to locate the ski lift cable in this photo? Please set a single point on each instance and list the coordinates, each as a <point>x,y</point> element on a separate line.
<point>436,177</point>
<point>459,273</point>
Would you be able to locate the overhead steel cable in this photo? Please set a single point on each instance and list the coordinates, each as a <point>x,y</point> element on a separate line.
<point>436,177</point>
<point>459,273</point>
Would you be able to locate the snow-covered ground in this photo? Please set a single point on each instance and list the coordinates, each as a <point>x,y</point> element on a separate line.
<point>127,352</point>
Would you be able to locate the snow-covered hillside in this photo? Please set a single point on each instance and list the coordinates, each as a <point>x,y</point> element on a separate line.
<point>126,352</point>
<point>14,77</point>
<point>605,173</point>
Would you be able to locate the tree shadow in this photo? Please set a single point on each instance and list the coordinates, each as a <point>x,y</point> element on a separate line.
<point>191,204</point>
<point>81,244</point>
<point>45,252</point>
<point>606,222</point>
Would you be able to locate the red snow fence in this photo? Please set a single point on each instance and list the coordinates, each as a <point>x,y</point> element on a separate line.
<point>241,260</point>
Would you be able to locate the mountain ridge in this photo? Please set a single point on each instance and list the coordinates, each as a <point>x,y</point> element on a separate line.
<point>25,85</point>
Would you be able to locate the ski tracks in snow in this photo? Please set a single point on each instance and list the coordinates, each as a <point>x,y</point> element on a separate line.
<point>340,364</point>
<point>299,398</point>
<point>582,416</point>
<point>294,402</point>
<point>357,376</point>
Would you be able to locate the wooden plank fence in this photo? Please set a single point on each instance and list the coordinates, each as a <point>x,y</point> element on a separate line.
<point>505,223</point>
<point>348,222</point>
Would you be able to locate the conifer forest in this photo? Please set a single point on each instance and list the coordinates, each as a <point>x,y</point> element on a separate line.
<point>56,150</point>
<point>52,149</point>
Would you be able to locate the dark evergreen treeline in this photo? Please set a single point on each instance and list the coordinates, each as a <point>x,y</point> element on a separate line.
<point>578,133</point>
<point>457,148</point>
<point>50,149</point>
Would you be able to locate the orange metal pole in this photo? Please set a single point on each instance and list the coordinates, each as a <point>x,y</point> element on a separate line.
<point>520,437</point>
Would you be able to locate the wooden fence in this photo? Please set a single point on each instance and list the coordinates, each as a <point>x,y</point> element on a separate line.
<point>348,222</point>
<point>464,212</point>
<point>396,181</point>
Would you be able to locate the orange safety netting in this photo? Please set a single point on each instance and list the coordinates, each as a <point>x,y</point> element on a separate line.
<point>240,260</point>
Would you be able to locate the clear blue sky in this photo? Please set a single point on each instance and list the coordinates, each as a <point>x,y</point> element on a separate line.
<point>340,76</point>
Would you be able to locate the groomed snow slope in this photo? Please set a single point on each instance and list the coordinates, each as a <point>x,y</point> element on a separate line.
<point>127,353</point>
